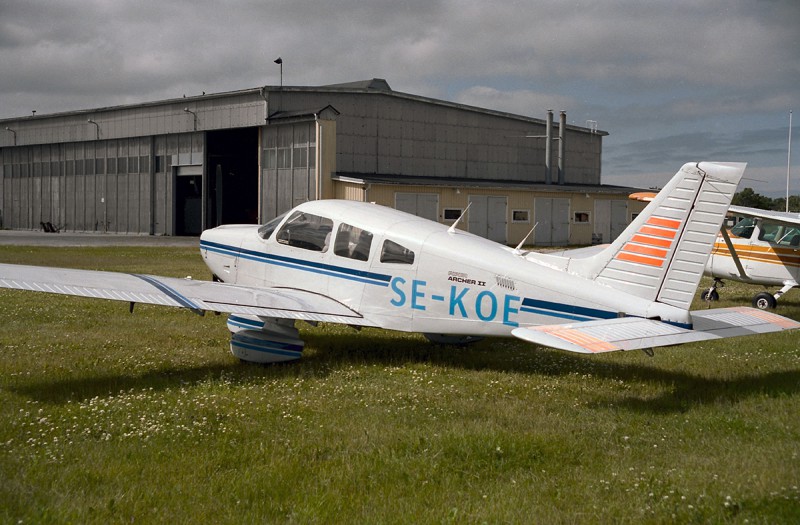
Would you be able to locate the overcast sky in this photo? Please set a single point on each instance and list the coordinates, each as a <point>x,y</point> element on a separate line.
<point>670,81</point>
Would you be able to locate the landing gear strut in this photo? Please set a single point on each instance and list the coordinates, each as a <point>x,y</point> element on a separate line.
<point>711,294</point>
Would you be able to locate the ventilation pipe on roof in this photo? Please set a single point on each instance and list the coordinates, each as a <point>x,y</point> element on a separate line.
<point>548,149</point>
<point>562,131</point>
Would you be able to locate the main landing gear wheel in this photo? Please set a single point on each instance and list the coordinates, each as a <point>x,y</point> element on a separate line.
<point>709,295</point>
<point>765,301</point>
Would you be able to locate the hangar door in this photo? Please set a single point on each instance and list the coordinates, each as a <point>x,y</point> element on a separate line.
<point>552,218</point>
<point>232,176</point>
<point>610,218</point>
<point>487,217</point>
<point>425,205</point>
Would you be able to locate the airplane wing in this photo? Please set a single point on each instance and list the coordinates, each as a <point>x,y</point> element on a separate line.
<point>198,296</point>
<point>789,218</point>
<point>632,333</point>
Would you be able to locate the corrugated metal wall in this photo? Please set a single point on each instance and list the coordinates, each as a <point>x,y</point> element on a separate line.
<point>120,186</point>
<point>397,135</point>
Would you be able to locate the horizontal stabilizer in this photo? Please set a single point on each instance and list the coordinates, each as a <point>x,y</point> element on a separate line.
<point>632,333</point>
<point>198,296</point>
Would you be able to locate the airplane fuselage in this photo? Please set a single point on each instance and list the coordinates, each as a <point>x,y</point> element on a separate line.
<point>766,258</point>
<point>415,275</point>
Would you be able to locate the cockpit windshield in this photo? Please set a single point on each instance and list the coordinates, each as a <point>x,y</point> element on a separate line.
<point>744,228</point>
<point>306,231</point>
<point>266,230</point>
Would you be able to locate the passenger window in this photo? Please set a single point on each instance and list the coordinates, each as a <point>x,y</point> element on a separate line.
<point>306,231</point>
<point>769,232</point>
<point>352,242</point>
<point>391,252</point>
<point>266,230</point>
<point>779,234</point>
<point>744,228</point>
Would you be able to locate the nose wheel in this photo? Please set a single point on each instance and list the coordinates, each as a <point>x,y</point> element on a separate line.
<point>711,294</point>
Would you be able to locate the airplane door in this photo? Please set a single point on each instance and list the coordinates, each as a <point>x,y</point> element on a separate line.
<point>352,249</point>
<point>774,252</point>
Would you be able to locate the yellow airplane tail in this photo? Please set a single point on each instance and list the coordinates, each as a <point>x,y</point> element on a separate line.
<point>661,255</point>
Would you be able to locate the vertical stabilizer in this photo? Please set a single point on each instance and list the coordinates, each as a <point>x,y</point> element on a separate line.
<point>662,254</point>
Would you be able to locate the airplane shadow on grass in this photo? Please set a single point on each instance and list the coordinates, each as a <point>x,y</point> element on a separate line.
<point>327,352</point>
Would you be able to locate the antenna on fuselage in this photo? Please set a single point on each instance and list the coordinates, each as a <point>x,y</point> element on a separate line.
<point>518,249</point>
<point>452,228</point>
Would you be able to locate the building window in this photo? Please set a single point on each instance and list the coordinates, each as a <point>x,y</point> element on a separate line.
<point>289,146</point>
<point>452,214</point>
<point>581,217</point>
<point>300,157</point>
<point>284,147</point>
<point>520,216</point>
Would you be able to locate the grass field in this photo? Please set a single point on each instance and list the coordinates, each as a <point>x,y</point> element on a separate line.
<point>107,417</point>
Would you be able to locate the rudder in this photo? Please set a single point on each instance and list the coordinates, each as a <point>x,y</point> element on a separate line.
<point>661,255</point>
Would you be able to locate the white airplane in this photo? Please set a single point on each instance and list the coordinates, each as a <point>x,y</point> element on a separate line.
<point>763,248</point>
<point>361,264</point>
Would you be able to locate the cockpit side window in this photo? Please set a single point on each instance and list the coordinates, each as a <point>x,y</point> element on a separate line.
<point>266,230</point>
<point>779,234</point>
<point>392,252</point>
<point>744,228</point>
<point>352,242</point>
<point>306,231</point>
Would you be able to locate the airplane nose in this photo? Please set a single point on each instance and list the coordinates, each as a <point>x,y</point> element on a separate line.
<point>220,248</point>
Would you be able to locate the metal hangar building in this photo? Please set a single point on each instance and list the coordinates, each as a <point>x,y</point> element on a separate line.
<point>176,167</point>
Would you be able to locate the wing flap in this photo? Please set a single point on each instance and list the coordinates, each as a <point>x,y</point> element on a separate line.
<point>197,296</point>
<point>632,333</point>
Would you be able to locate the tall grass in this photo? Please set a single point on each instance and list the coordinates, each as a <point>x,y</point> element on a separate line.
<point>108,417</point>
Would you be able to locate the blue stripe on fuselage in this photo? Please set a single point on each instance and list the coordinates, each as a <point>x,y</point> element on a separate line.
<point>564,311</point>
<point>300,264</point>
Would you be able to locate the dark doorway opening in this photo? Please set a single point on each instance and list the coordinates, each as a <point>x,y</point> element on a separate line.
<point>189,203</point>
<point>232,170</point>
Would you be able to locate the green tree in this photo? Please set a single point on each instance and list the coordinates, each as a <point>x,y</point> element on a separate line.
<point>748,197</point>
<point>794,203</point>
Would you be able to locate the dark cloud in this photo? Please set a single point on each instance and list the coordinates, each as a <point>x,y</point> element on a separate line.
<point>665,79</point>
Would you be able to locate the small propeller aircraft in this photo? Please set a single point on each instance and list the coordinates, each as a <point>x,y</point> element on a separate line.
<point>762,248</point>
<point>361,264</point>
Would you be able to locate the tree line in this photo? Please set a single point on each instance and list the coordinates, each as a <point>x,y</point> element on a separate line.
<point>748,197</point>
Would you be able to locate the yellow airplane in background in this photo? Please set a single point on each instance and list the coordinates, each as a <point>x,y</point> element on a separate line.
<point>762,247</point>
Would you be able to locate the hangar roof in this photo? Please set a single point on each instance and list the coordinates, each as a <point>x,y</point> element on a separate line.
<point>376,86</point>
<point>405,180</point>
